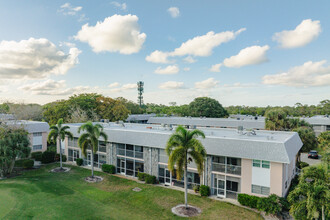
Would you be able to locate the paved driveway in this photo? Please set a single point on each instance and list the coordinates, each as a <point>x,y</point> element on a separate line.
<point>304,158</point>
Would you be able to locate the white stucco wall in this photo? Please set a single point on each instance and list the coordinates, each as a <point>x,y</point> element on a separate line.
<point>260,176</point>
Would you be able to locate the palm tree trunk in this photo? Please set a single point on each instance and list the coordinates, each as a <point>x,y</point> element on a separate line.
<point>60,154</point>
<point>92,164</point>
<point>185,187</point>
<point>323,218</point>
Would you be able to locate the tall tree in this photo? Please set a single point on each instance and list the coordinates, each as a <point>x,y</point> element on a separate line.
<point>276,119</point>
<point>57,134</point>
<point>207,107</point>
<point>183,147</point>
<point>310,199</point>
<point>90,139</point>
<point>324,140</point>
<point>14,144</point>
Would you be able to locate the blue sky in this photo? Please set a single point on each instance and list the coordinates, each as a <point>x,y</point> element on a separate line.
<point>262,52</point>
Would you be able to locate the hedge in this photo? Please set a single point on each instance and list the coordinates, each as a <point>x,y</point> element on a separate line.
<point>79,161</point>
<point>141,176</point>
<point>107,168</point>
<point>57,157</point>
<point>149,179</point>
<point>302,164</point>
<point>28,164</point>
<point>204,190</point>
<point>272,204</point>
<point>248,200</point>
<point>36,156</point>
<point>48,157</point>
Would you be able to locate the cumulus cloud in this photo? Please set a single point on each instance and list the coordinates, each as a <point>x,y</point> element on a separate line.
<point>248,56</point>
<point>171,85</point>
<point>201,45</point>
<point>34,59</point>
<point>158,57</point>
<point>115,87</point>
<point>207,84</point>
<point>122,6</point>
<point>118,33</point>
<point>304,33</point>
<point>174,12</point>
<point>307,75</point>
<point>52,87</point>
<point>171,69</point>
<point>215,67</point>
<point>68,9</point>
<point>189,59</point>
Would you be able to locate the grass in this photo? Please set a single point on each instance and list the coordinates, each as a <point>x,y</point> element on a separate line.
<point>39,194</point>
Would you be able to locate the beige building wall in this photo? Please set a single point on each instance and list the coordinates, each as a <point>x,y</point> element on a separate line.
<point>44,141</point>
<point>276,178</point>
<point>246,176</point>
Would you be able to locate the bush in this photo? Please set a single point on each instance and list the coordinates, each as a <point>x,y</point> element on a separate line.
<point>28,164</point>
<point>270,205</point>
<point>204,190</point>
<point>248,200</point>
<point>57,158</point>
<point>107,168</point>
<point>196,188</point>
<point>48,157</point>
<point>36,156</point>
<point>301,164</point>
<point>79,161</point>
<point>52,148</point>
<point>150,179</point>
<point>142,176</point>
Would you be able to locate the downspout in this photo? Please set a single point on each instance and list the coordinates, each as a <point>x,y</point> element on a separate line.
<point>150,161</point>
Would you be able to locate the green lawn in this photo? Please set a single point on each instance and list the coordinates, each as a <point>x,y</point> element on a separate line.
<point>38,194</point>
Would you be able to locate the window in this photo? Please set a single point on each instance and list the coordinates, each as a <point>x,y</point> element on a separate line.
<point>218,159</point>
<point>256,163</point>
<point>37,134</point>
<point>265,164</point>
<point>262,190</point>
<point>102,147</point>
<point>37,147</point>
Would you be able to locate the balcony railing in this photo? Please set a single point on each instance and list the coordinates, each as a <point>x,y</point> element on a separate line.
<point>226,168</point>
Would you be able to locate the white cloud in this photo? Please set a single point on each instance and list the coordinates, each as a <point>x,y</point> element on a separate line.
<point>307,75</point>
<point>34,59</point>
<point>189,59</point>
<point>171,69</point>
<point>158,57</point>
<point>171,85</point>
<point>303,34</point>
<point>68,9</point>
<point>174,12</point>
<point>239,85</point>
<point>215,67</point>
<point>207,84</point>
<point>248,56</point>
<point>52,87</point>
<point>124,87</point>
<point>201,45</point>
<point>113,85</point>
<point>186,69</point>
<point>118,33</point>
<point>122,6</point>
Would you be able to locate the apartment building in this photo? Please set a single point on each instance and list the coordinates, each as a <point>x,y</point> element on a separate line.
<point>320,123</point>
<point>238,161</point>
<point>38,132</point>
<point>244,121</point>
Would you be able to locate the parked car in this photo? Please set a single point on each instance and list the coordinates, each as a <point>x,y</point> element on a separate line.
<point>313,154</point>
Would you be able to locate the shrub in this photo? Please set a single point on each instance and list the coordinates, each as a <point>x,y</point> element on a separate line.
<point>79,161</point>
<point>270,204</point>
<point>107,168</point>
<point>52,148</point>
<point>150,179</point>
<point>28,164</point>
<point>248,200</point>
<point>57,158</point>
<point>142,176</point>
<point>48,157</point>
<point>204,190</point>
<point>302,164</point>
<point>36,156</point>
<point>196,188</point>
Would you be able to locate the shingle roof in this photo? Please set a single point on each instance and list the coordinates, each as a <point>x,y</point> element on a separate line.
<point>30,126</point>
<point>317,120</point>
<point>142,117</point>
<point>211,122</point>
<point>265,145</point>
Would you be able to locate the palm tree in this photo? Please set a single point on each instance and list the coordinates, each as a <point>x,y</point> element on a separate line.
<point>180,146</point>
<point>58,133</point>
<point>90,139</point>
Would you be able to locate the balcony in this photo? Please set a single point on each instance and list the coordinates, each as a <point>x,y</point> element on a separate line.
<point>226,168</point>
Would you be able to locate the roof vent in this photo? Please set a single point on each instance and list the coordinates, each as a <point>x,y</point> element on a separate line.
<point>240,129</point>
